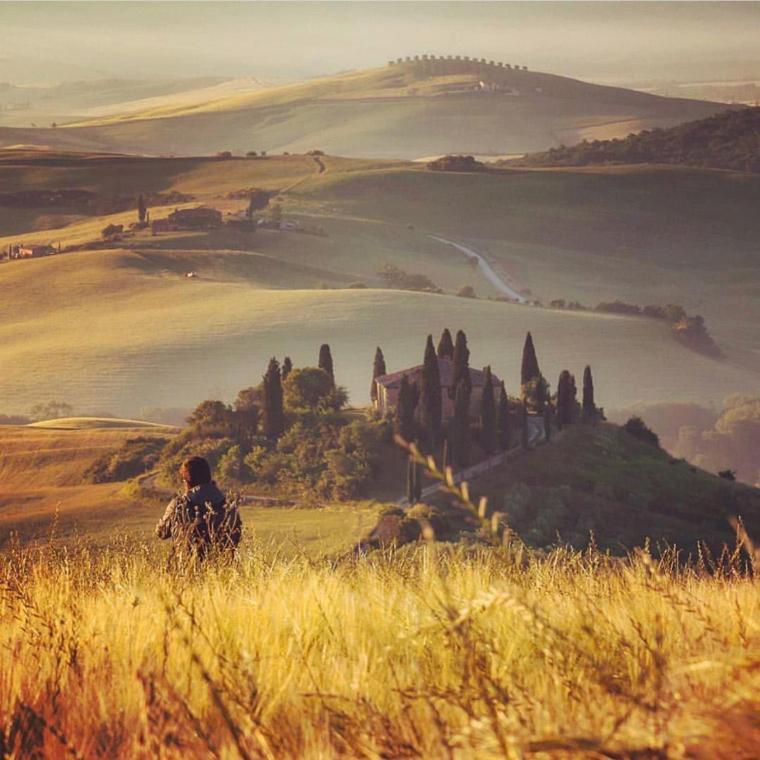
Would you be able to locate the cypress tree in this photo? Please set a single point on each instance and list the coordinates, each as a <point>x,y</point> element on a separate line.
<point>589,408</point>
<point>446,345</point>
<point>488,416</point>
<point>273,411</point>
<point>411,476</point>
<point>459,429</point>
<point>548,416</point>
<point>287,366</point>
<point>326,362</point>
<point>524,435</point>
<point>529,369</point>
<point>430,395</point>
<point>566,393</point>
<point>141,209</point>
<point>461,362</point>
<point>502,425</point>
<point>378,370</point>
<point>404,417</point>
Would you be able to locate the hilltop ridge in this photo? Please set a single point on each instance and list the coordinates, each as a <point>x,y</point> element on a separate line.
<point>412,107</point>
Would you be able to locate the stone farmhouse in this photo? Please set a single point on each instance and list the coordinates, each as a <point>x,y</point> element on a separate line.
<point>387,387</point>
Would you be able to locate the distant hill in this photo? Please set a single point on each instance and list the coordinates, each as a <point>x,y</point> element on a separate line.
<point>408,110</point>
<point>729,140</point>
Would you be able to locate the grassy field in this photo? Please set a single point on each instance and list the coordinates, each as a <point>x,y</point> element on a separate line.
<point>154,338</point>
<point>648,235</point>
<point>384,112</point>
<point>43,493</point>
<point>426,653</point>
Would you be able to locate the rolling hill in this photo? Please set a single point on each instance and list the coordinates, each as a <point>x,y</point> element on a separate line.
<point>122,328</point>
<point>409,109</point>
<point>730,140</point>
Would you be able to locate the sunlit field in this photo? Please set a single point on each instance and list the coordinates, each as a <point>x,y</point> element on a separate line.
<point>428,652</point>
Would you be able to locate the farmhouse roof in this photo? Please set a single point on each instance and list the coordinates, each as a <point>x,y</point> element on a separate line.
<point>446,371</point>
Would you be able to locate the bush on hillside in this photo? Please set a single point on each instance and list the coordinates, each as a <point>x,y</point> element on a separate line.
<point>393,277</point>
<point>636,427</point>
<point>457,164</point>
<point>135,457</point>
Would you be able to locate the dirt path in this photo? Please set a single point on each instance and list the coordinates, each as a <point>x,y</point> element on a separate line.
<point>485,268</point>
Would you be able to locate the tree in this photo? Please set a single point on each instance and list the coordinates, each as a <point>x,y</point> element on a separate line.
<point>50,411</point>
<point>589,408</point>
<point>417,482</point>
<point>566,393</point>
<point>212,418</point>
<point>259,199</point>
<point>529,369</point>
<point>461,368</point>
<point>326,362</point>
<point>308,388</point>
<point>142,211</point>
<point>430,405</point>
<point>548,417</point>
<point>503,431</point>
<point>378,370</point>
<point>273,408</point>
<point>636,427</point>
<point>488,419</point>
<point>247,414</point>
<point>446,345</point>
<point>287,367</point>
<point>404,412</point>
<point>410,475</point>
<point>459,428</point>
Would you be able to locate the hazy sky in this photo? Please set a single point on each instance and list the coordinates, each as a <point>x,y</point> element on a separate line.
<point>625,41</point>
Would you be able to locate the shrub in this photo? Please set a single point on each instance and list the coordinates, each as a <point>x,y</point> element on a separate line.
<point>135,457</point>
<point>636,427</point>
<point>466,291</point>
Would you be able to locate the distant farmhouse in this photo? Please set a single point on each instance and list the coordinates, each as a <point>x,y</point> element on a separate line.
<point>200,218</point>
<point>387,387</point>
<point>30,251</point>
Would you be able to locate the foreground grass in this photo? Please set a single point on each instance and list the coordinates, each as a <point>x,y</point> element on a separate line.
<point>429,652</point>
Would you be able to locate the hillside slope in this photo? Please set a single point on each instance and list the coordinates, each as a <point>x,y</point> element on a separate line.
<point>730,140</point>
<point>408,110</point>
<point>601,480</point>
<point>117,330</point>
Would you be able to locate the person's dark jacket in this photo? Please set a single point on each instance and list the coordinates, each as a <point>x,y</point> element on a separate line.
<point>201,519</point>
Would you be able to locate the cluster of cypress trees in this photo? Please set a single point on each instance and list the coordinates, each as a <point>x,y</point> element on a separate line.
<point>418,413</point>
<point>419,410</point>
<point>272,396</point>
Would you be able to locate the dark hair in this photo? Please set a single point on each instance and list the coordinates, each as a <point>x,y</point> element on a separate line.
<point>195,472</point>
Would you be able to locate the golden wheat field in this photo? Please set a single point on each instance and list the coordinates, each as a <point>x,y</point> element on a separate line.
<point>433,652</point>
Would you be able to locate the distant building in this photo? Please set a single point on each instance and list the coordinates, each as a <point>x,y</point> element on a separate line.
<point>34,251</point>
<point>387,387</point>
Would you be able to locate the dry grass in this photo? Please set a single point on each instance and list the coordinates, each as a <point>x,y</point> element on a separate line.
<point>426,653</point>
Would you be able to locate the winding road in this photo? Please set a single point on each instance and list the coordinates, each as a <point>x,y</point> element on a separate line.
<point>485,268</point>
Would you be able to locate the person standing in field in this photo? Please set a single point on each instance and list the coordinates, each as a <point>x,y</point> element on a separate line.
<point>200,520</point>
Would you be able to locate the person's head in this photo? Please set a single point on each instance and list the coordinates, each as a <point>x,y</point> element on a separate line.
<point>195,471</point>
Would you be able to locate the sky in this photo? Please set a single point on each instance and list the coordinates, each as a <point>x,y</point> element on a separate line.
<point>624,42</point>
